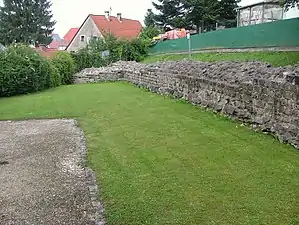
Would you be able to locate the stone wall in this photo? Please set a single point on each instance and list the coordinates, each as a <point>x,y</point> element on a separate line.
<point>253,92</point>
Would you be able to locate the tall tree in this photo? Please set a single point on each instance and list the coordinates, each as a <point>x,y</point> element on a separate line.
<point>290,4</point>
<point>149,19</point>
<point>171,13</point>
<point>26,21</point>
<point>228,14</point>
<point>203,13</point>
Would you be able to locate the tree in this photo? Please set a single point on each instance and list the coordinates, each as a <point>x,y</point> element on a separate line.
<point>228,15</point>
<point>26,21</point>
<point>290,4</point>
<point>171,13</point>
<point>149,19</point>
<point>149,32</point>
<point>203,13</point>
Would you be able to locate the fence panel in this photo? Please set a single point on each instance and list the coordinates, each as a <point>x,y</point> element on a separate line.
<point>282,33</point>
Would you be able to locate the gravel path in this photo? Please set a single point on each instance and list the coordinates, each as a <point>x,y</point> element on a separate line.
<point>41,177</point>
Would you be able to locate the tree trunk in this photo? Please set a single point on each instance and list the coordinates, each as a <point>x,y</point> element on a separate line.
<point>198,28</point>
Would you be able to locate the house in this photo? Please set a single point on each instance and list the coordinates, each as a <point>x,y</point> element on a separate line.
<point>263,12</point>
<point>96,26</point>
<point>57,43</point>
<point>70,35</point>
<point>61,43</point>
<point>46,51</point>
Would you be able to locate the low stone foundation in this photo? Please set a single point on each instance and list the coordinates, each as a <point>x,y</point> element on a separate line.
<point>252,92</point>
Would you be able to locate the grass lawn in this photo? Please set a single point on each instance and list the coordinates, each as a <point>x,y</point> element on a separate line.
<point>274,58</point>
<point>163,161</point>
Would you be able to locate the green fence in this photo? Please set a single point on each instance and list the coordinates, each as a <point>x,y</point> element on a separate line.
<point>282,33</point>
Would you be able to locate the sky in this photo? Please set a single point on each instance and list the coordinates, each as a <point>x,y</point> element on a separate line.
<point>133,9</point>
<point>72,13</point>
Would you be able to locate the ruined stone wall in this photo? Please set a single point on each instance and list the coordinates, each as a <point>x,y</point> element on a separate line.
<point>253,92</point>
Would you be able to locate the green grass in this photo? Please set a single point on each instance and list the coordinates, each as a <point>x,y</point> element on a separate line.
<point>162,161</point>
<point>274,58</point>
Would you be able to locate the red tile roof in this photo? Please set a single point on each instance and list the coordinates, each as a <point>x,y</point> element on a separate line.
<point>126,28</point>
<point>70,35</point>
<point>46,52</point>
<point>56,44</point>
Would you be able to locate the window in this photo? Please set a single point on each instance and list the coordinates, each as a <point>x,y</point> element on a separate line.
<point>82,38</point>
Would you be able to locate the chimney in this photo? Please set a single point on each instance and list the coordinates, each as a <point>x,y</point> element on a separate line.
<point>119,16</point>
<point>107,15</point>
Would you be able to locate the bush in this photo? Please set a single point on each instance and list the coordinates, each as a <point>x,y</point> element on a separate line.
<point>65,64</point>
<point>87,59</point>
<point>126,50</point>
<point>22,71</point>
<point>55,77</point>
<point>135,50</point>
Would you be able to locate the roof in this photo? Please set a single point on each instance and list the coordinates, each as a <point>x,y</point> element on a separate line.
<point>70,35</point>
<point>259,3</point>
<point>126,28</point>
<point>56,37</point>
<point>55,44</point>
<point>46,52</point>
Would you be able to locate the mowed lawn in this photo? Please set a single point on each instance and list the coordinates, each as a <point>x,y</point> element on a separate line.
<point>274,58</point>
<point>163,161</point>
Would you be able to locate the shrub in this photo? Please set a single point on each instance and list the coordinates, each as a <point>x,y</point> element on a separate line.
<point>55,77</point>
<point>22,71</point>
<point>65,64</point>
<point>86,59</point>
<point>126,50</point>
<point>135,50</point>
<point>149,32</point>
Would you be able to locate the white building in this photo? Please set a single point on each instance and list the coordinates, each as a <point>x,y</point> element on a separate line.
<point>291,13</point>
<point>263,12</point>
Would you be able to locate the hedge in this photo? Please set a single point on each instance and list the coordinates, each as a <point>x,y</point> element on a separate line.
<point>22,71</point>
<point>55,78</point>
<point>65,64</point>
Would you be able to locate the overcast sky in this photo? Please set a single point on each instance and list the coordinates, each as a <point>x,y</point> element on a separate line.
<point>71,13</point>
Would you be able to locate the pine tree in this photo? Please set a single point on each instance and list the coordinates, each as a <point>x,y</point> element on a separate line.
<point>149,19</point>
<point>203,13</point>
<point>26,21</point>
<point>228,15</point>
<point>171,13</point>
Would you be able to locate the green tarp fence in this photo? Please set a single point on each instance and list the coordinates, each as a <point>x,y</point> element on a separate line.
<point>282,33</point>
